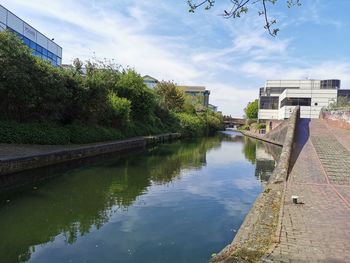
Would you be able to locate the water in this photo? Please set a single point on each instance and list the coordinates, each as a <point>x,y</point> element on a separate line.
<point>177,202</point>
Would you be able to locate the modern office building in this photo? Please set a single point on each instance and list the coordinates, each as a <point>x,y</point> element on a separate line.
<point>279,97</point>
<point>40,45</point>
<point>198,93</point>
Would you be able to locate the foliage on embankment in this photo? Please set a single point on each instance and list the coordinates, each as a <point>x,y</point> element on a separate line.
<point>98,101</point>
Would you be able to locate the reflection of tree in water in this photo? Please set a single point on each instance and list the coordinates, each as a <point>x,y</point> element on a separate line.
<point>263,155</point>
<point>249,149</point>
<point>74,203</point>
<point>188,155</point>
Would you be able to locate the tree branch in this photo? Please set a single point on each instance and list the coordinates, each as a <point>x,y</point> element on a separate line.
<point>240,6</point>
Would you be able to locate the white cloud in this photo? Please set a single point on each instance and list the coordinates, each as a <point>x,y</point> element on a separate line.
<point>324,70</point>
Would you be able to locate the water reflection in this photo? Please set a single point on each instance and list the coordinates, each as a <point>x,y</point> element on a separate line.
<point>174,203</point>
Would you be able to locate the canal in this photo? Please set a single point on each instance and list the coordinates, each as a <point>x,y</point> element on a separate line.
<point>176,202</point>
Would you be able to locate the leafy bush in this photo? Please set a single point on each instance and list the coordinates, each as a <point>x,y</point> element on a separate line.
<point>213,123</point>
<point>143,100</point>
<point>87,134</point>
<point>43,104</point>
<point>48,133</point>
<point>118,111</point>
<point>244,128</point>
<point>171,97</point>
<point>190,125</point>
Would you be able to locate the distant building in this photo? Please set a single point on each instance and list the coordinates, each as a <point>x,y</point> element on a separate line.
<point>40,45</point>
<point>198,93</point>
<point>213,107</point>
<point>150,81</point>
<point>279,97</point>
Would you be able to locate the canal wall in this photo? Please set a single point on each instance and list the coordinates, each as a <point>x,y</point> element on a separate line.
<point>276,136</point>
<point>261,228</point>
<point>14,164</point>
<point>261,137</point>
<point>339,118</point>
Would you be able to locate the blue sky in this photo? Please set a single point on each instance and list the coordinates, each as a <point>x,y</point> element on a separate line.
<point>231,57</point>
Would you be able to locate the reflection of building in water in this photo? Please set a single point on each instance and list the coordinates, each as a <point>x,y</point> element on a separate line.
<point>265,163</point>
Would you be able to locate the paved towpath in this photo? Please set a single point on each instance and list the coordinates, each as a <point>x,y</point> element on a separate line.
<point>319,229</point>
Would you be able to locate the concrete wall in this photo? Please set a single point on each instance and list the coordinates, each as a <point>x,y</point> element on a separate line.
<point>267,114</point>
<point>261,227</point>
<point>18,164</point>
<point>320,98</point>
<point>302,84</point>
<point>337,118</point>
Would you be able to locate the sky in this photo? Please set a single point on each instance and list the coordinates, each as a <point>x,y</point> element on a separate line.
<point>231,57</point>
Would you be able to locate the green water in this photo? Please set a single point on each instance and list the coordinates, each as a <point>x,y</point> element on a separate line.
<point>178,202</point>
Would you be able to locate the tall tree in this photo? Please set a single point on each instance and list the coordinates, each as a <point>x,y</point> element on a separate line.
<point>251,111</point>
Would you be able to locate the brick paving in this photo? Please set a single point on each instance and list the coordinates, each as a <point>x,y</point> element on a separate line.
<point>319,229</point>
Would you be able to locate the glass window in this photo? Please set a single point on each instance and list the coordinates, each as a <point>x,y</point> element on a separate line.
<point>296,102</point>
<point>268,102</point>
<point>26,41</point>
<point>39,49</point>
<point>32,45</point>
<point>45,52</point>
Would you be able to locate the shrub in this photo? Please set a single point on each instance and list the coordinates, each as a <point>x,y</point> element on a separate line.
<point>143,100</point>
<point>118,111</point>
<point>43,104</point>
<point>48,133</point>
<point>171,97</point>
<point>190,125</point>
<point>87,134</point>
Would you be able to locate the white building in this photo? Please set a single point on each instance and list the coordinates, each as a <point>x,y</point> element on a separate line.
<point>40,45</point>
<point>279,97</point>
<point>150,81</point>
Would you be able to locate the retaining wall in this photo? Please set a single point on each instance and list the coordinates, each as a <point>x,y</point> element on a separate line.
<point>260,230</point>
<point>337,118</point>
<point>18,164</point>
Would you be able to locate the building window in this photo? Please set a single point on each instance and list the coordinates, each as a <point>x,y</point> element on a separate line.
<point>268,103</point>
<point>330,84</point>
<point>296,102</point>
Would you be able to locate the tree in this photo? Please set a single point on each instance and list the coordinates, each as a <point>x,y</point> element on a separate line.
<point>251,111</point>
<point>343,102</point>
<point>171,97</point>
<point>239,7</point>
<point>143,100</point>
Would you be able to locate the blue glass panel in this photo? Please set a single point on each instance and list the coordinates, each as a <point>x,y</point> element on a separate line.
<point>32,45</point>
<point>39,48</point>
<point>45,52</point>
<point>26,41</point>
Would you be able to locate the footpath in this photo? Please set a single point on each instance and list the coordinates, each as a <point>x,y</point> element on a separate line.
<point>317,229</point>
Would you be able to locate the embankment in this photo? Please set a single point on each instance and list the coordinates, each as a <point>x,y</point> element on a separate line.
<point>260,230</point>
<point>14,164</point>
